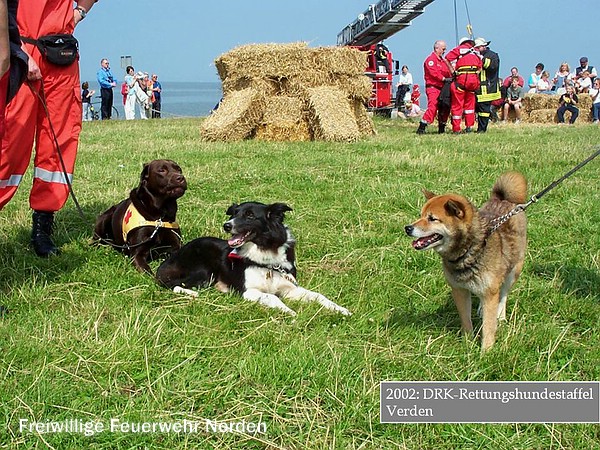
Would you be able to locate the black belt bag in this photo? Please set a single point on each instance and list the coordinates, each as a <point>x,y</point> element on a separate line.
<point>59,49</point>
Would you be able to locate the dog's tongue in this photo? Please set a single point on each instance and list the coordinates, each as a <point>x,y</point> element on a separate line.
<point>237,240</point>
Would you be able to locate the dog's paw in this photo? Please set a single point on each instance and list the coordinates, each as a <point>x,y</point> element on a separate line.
<point>184,291</point>
<point>343,311</point>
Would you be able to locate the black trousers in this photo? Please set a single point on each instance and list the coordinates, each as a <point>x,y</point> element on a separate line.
<point>107,103</point>
<point>400,93</point>
<point>156,109</point>
<point>483,111</point>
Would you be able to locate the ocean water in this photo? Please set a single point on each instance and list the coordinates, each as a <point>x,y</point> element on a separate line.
<point>182,99</point>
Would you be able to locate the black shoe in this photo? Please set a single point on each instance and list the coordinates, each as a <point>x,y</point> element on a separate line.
<point>421,129</point>
<point>43,224</point>
<point>441,128</point>
<point>468,130</point>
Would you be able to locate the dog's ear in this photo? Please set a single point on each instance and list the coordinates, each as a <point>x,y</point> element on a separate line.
<point>454,208</point>
<point>277,210</point>
<point>428,194</point>
<point>232,209</point>
<point>145,172</point>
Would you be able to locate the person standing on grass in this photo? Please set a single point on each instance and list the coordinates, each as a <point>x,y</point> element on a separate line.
<point>436,74</point>
<point>489,83</point>
<point>86,98</point>
<point>130,98</point>
<point>156,89</point>
<point>107,82</point>
<point>47,111</point>
<point>467,65</point>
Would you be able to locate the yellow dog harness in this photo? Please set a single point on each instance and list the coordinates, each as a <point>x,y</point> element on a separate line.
<point>133,219</point>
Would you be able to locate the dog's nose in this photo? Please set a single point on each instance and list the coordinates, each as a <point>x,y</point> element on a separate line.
<point>409,229</point>
<point>227,227</point>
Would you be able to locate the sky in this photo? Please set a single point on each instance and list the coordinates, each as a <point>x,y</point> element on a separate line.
<point>180,39</point>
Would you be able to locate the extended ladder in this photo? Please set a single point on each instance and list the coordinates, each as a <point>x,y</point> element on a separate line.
<point>381,20</point>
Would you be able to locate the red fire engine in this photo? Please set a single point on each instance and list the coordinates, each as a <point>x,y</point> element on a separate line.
<point>381,20</point>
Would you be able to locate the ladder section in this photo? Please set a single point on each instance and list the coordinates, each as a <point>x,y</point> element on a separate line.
<point>381,20</point>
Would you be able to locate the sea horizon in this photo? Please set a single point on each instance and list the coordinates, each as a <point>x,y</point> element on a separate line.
<point>179,98</point>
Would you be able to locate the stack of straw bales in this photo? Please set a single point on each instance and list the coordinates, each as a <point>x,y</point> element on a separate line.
<point>291,92</point>
<point>541,108</point>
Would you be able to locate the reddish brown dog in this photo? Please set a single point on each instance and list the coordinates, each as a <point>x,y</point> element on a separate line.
<point>476,258</point>
<point>144,225</point>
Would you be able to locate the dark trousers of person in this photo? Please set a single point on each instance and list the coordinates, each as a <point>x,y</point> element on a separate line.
<point>156,109</point>
<point>483,111</point>
<point>564,108</point>
<point>107,102</point>
<point>402,90</point>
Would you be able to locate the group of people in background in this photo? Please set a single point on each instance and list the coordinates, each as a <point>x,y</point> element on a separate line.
<point>142,90</point>
<point>137,89</point>
<point>464,85</point>
<point>461,85</point>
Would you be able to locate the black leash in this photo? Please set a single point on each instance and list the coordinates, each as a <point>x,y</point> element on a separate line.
<point>41,95</point>
<point>499,221</point>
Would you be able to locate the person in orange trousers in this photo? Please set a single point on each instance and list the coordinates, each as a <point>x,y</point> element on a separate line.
<point>57,88</point>
<point>467,65</point>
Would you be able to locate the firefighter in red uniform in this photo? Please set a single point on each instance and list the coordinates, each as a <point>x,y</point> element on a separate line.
<point>436,72</point>
<point>58,87</point>
<point>467,64</point>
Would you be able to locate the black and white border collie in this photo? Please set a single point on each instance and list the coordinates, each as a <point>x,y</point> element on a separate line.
<point>258,261</point>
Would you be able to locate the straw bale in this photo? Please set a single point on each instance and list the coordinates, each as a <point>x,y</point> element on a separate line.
<point>236,118</point>
<point>585,107</point>
<point>265,85</point>
<point>363,120</point>
<point>539,101</point>
<point>283,109</point>
<point>294,61</point>
<point>289,132</point>
<point>331,115</point>
<point>542,115</point>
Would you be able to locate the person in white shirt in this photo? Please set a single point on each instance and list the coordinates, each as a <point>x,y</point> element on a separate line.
<point>543,85</point>
<point>583,83</point>
<point>403,87</point>
<point>535,77</point>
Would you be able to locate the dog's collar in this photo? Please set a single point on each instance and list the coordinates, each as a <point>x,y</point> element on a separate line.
<point>287,273</point>
<point>133,219</point>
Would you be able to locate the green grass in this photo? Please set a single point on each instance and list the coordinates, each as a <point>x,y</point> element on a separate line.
<point>87,337</point>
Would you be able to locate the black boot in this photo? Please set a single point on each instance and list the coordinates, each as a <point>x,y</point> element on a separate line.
<point>421,129</point>
<point>43,224</point>
<point>441,128</point>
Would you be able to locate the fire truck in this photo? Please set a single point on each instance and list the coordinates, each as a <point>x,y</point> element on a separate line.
<point>380,21</point>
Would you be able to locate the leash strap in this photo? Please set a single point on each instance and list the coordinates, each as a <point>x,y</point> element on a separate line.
<point>499,221</point>
<point>41,95</point>
<point>555,183</point>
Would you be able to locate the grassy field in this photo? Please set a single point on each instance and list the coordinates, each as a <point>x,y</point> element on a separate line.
<point>88,338</point>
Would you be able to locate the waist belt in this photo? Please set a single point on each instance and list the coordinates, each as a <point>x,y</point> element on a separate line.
<point>472,69</point>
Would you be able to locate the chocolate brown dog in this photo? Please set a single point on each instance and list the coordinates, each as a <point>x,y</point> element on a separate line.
<point>145,222</point>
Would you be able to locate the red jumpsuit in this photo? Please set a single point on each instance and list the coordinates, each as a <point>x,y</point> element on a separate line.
<point>467,67</point>
<point>435,70</point>
<point>26,119</point>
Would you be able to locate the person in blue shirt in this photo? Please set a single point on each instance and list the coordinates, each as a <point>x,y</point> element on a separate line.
<point>156,89</point>
<point>107,82</point>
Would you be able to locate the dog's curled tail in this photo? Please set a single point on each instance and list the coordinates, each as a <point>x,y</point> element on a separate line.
<point>512,187</point>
